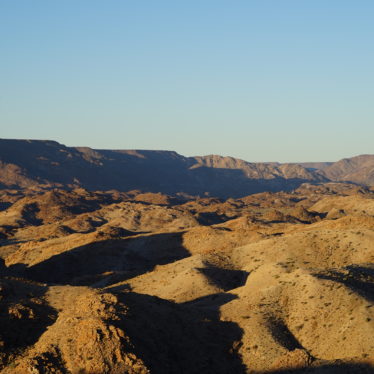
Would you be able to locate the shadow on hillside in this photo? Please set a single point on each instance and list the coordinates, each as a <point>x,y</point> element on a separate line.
<point>23,319</point>
<point>29,213</point>
<point>4,205</point>
<point>344,368</point>
<point>226,279</point>
<point>179,338</point>
<point>86,264</point>
<point>281,334</point>
<point>360,279</point>
<point>215,300</point>
<point>211,218</point>
<point>219,182</point>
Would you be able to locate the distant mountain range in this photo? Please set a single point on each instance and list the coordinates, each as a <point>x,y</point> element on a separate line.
<point>27,163</point>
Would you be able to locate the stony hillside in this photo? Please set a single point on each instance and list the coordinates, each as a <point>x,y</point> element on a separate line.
<point>359,169</point>
<point>131,282</point>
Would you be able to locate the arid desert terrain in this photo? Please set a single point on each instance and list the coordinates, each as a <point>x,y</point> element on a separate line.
<point>154,281</point>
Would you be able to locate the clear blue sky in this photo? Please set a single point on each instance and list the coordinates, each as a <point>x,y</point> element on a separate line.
<point>263,80</point>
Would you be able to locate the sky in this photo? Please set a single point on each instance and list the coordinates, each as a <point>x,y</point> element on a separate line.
<point>261,80</point>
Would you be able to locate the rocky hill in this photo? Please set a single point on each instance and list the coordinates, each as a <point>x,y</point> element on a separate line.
<point>114,282</point>
<point>359,169</point>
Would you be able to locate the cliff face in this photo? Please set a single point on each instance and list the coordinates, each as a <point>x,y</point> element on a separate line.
<point>25,163</point>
